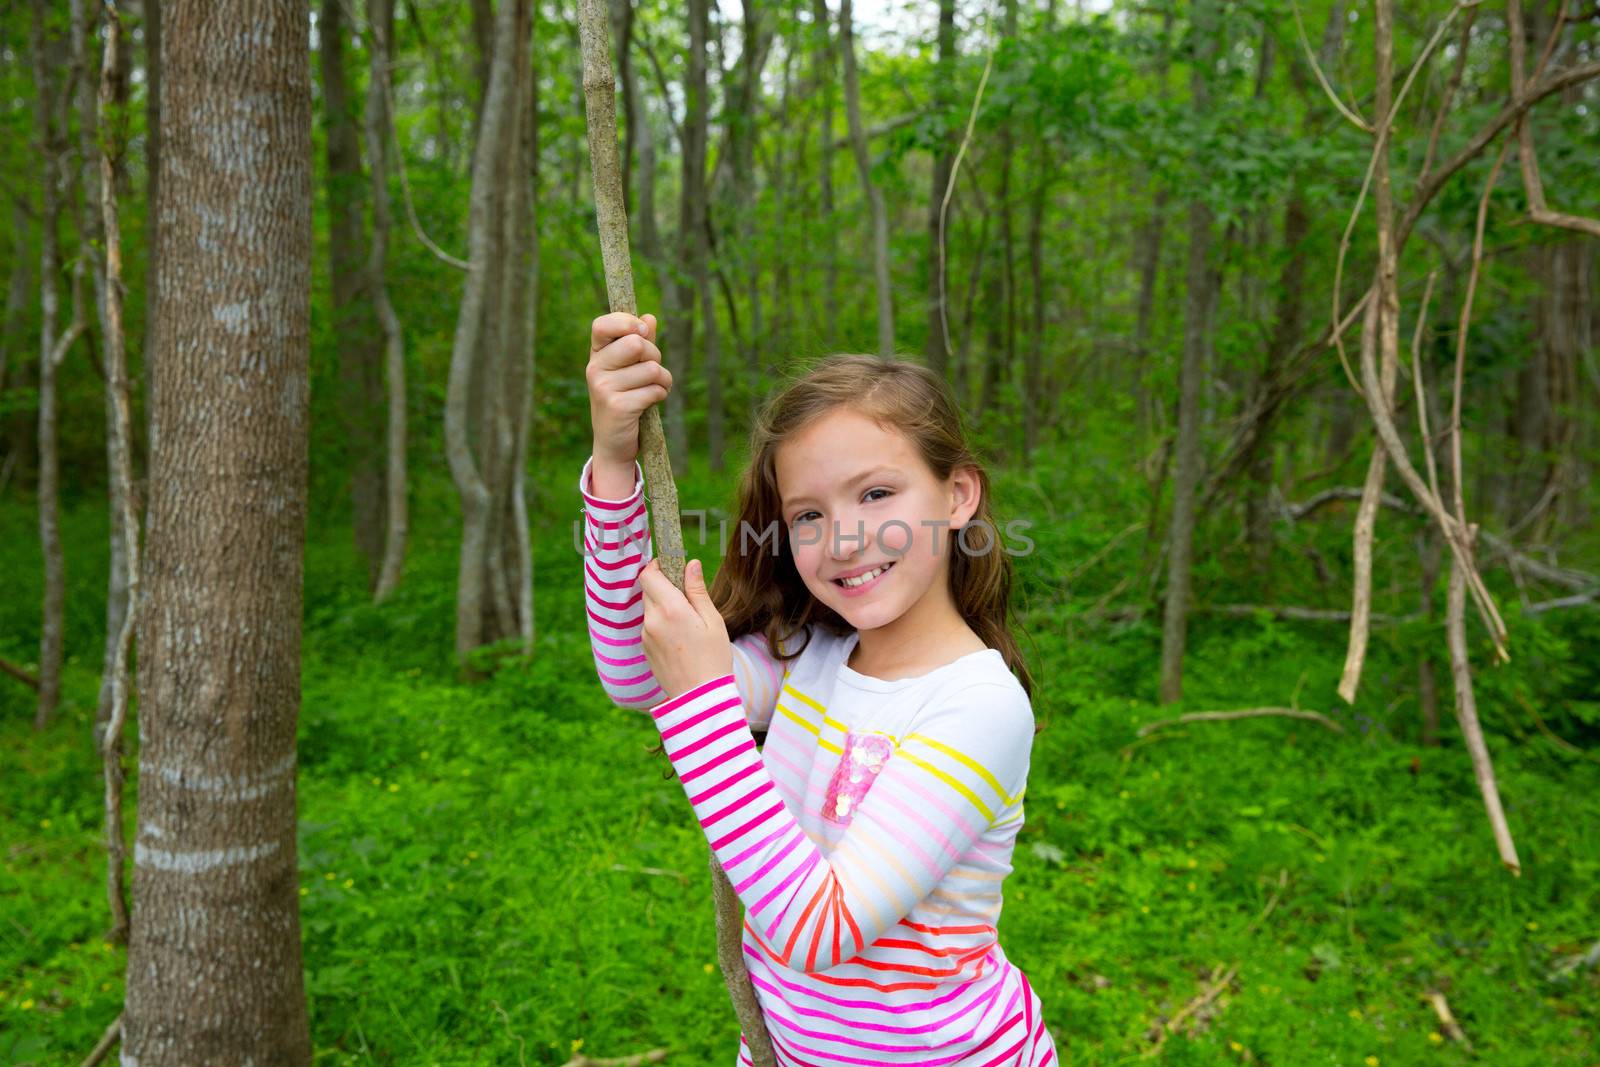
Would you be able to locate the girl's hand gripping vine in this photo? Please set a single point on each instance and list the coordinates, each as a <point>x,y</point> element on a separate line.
<point>625,376</point>
<point>684,636</point>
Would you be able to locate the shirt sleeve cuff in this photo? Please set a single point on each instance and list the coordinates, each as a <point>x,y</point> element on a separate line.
<point>705,697</point>
<point>599,504</point>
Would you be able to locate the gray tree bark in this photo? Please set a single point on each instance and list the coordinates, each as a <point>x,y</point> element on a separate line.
<point>214,967</point>
<point>1196,335</point>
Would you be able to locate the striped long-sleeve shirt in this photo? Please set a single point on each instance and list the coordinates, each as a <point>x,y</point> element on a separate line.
<point>869,837</point>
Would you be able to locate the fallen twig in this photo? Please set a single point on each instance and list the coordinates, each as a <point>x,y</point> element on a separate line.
<point>660,872</point>
<point>1244,713</point>
<point>1213,989</point>
<point>112,1035</point>
<point>1441,1008</point>
<point>1577,962</point>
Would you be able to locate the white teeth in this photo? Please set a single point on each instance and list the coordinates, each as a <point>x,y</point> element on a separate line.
<point>863,579</point>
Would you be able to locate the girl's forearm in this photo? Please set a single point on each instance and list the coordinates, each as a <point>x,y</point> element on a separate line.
<point>610,478</point>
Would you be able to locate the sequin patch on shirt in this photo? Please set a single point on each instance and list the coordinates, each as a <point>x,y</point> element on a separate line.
<point>863,757</point>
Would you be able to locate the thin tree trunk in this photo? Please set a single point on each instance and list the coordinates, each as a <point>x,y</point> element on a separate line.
<point>396,511</point>
<point>1147,254</point>
<point>1001,360</point>
<point>214,963</point>
<point>935,349</point>
<point>113,91</point>
<point>600,116</point>
<point>822,73</point>
<point>1196,336</point>
<point>465,364</point>
<point>51,130</point>
<point>358,332</point>
<point>870,192</point>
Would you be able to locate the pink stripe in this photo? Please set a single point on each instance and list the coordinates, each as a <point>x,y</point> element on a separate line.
<point>692,720</point>
<point>858,1024</point>
<point>616,642</point>
<point>678,701</point>
<point>761,790</point>
<point>617,565</point>
<point>612,510</point>
<point>592,579</point>
<point>875,1046</point>
<point>737,750</point>
<point>624,683</point>
<point>615,624</point>
<point>627,540</point>
<point>739,831</point>
<point>791,829</point>
<point>615,605</point>
<point>713,736</point>
<point>777,858</point>
<point>800,872</point>
<point>749,769</point>
<point>631,661</point>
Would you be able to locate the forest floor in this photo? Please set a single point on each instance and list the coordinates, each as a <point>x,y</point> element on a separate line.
<point>501,874</point>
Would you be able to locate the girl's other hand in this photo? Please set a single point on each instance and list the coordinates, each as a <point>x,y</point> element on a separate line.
<point>684,636</point>
<point>625,377</point>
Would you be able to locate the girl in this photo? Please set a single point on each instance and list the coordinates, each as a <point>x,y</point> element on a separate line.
<point>867,595</point>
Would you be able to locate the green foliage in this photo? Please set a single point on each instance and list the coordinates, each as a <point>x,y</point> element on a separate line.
<point>512,847</point>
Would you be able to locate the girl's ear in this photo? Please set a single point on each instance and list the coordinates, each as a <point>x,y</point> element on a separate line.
<point>965,491</point>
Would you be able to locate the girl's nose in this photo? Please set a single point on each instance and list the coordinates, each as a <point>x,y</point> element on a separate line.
<point>846,536</point>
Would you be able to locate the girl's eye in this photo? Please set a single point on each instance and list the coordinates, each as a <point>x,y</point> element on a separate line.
<point>804,516</point>
<point>886,492</point>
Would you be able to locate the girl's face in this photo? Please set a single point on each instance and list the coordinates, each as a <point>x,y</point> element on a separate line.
<point>859,502</point>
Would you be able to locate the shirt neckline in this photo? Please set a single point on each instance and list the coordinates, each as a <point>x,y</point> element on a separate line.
<point>857,680</point>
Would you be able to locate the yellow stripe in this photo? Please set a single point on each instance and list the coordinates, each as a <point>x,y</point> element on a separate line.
<point>951,782</point>
<point>805,724</point>
<point>979,769</point>
<point>826,718</point>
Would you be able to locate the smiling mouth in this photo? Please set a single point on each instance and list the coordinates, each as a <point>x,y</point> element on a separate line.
<point>862,579</point>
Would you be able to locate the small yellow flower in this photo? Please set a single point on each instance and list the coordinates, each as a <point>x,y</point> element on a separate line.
<point>394,787</point>
<point>27,1004</point>
<point>1530,924</point>
<point>328,876</point>
<point>1124,794</point>
<point>106,946</point>
<point>1355,1013</point>
<point>709,968</point>
<point>349,883</point>
<point>1193,863</point>
<point>44,824</point>
<point>377,781</point>
<point>1191,887</point>
<point>1145,908</point>
<point>423,754</point>
<point>105,987</point>
<point>304,891</point>
<point>1236,1046</point>
<point>472,855</point>
<point>577,1043</point>
<point>1435,1038</point>
<point>1371,1061</point>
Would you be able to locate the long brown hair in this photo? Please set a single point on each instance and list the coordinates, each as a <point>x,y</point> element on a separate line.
<point>758,590</point>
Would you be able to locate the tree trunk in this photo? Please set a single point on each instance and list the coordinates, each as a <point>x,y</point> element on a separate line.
<point>214,967</point>
<point>822,70</point>
<point>936,349</point>
<point>871,193</point>
<point>491,347</point>
<point>356,327</point>
<point>112,99</point>
<point>396,511</point>
<point>1196,336</point>
<point>50,125</point>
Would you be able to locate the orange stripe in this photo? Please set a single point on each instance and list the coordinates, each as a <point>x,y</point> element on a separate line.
<point>788,950</point>
<point>882,987</point>
<point>946,929</point>
<point>884,942</point>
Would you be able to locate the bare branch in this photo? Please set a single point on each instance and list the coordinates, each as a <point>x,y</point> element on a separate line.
<point>1316,68</point>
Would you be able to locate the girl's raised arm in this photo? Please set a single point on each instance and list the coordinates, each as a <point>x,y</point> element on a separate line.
<point>617,545</point>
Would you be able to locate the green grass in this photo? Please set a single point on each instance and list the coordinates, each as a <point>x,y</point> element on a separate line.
<point>475,860</point>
